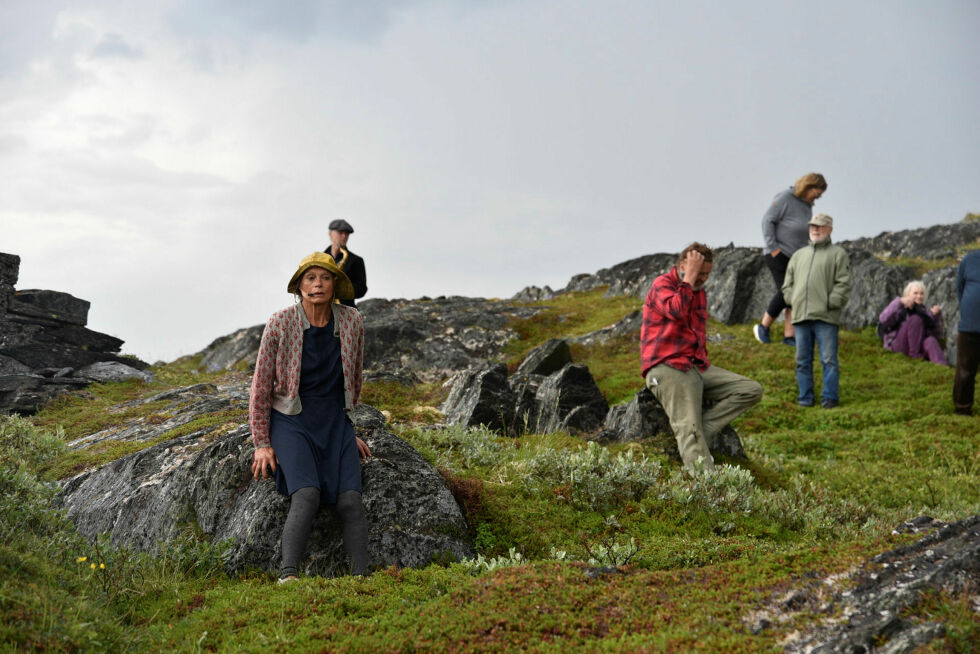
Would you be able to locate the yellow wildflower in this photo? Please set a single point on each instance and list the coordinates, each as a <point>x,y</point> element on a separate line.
<point>102,566</point>
<point>92,565</point>
<point>81,558</point>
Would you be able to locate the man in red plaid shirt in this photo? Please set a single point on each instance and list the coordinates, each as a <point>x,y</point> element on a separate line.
<point>675,361</point>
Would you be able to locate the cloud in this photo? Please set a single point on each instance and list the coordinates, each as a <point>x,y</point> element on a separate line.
<point>113,46</point>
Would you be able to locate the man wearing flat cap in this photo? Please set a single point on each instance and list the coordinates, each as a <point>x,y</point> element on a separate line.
<point>350,263</point>
<point>817,286</point>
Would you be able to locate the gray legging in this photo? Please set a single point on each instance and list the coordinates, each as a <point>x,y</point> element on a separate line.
<point>304,504</point>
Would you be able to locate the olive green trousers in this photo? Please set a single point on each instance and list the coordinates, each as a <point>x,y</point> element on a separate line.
<point>682,394</point>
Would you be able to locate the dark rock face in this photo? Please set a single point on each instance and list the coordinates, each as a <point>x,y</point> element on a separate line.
<point>228,351</point>
<point>533,294</point>
<point>42,331</point>
<point>631,277</point>
<point>526,407</point>
<point>9,272</point>
<point>945,560</point>
<point>874,285</point>
<point>481,396</point>
<point>51,305</point>
<point>639,418</point>
<point>434,339</point>
<point>740,285</point>
<point>546,358</point>
<point>936,242</point>
<point>941,289</point>
<point>203,479</point>
<point>569,400</point>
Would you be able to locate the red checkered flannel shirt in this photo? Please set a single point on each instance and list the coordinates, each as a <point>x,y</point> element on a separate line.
<point>675,319</point>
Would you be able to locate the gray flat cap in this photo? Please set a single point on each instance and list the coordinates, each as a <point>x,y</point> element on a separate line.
<point>341,225</point>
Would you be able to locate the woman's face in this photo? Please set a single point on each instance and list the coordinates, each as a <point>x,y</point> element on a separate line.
<point>811,194</point>
<point>918,294</point>
<point>316,286</point>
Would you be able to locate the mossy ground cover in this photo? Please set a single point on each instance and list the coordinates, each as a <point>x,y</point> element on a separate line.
<point>821,492</point>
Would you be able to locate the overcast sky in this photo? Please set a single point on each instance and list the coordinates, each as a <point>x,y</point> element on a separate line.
<point>172,161</point>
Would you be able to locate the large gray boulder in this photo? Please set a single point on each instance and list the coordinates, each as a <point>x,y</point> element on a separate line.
<point>105,372</point>
<point>941,289</point>
<point>50,305</point>
<point>23,393</point>
<point>202,481</point>
<point>569,400</point>
<point>642,417</point>
<point>740,285</point>
<point>481,396</point>
<point>240,347</point>
<point>545,359</point>
<point>873,285</point>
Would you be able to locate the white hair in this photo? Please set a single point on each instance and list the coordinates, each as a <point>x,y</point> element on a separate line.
<point>913,285</point>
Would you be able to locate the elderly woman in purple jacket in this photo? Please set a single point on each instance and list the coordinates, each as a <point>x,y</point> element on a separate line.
<point>910,328</point>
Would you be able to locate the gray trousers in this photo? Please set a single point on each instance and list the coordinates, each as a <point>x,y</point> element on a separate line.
<point>681,395</point>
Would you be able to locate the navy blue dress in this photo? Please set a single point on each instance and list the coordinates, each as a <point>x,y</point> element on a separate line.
<point>317,447</point>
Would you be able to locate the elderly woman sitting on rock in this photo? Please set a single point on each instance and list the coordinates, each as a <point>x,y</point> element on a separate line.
<point>307,377</point>
<point>910,328</point>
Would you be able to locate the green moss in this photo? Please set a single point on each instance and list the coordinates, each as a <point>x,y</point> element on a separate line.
<point>406,404</point>
<point>567,315</point>
<point>823,492</point>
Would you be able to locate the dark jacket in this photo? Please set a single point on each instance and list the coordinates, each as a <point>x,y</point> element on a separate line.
<point>354,269</point>
<point>968,292</point>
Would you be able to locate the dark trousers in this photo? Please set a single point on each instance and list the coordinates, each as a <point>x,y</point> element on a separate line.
<point>967,361</point>
<point>777,266</point>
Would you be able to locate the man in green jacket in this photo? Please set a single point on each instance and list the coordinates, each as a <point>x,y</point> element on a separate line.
<point>817,285</point>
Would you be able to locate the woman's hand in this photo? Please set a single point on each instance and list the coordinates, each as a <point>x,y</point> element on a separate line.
<point>908,302</point>
<point>935,309</point>
<point>362,448</point>
<point>263,462</point>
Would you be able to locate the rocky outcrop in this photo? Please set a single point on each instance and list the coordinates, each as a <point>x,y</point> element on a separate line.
<point>435,338</point>
<point>406,340</point>
<point>870,614</point>
<point>237,348</point>
<point>566,399</point>
<point>569,400</point>
<point>481,396</point>
<point>201,480</point>
<point>936,242</point>
<point>432,339</point>
<point>45,348</point>
<point>551,356</point>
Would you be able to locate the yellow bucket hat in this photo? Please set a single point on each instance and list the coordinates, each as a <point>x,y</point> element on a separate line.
<point>342,287</point>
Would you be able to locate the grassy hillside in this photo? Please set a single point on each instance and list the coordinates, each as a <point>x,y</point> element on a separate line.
<point>581,547</point>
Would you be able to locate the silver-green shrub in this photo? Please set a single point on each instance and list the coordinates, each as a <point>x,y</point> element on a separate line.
<point>589,478</point>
